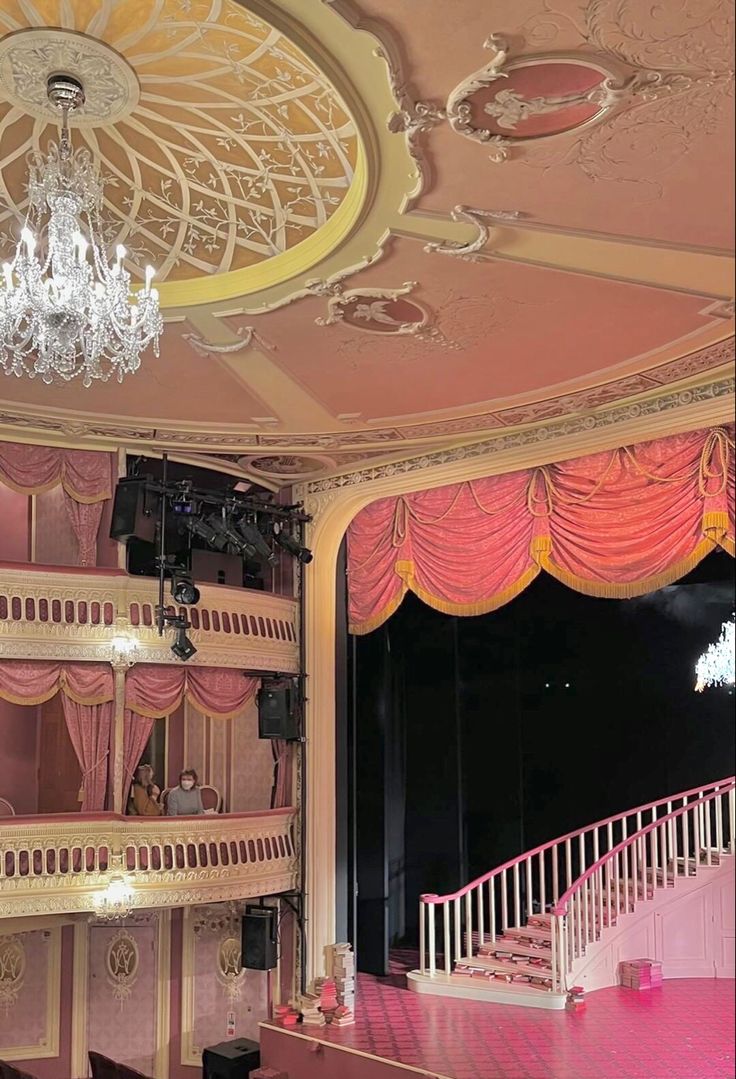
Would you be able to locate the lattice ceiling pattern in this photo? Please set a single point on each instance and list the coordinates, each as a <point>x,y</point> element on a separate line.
<point>222,142</point>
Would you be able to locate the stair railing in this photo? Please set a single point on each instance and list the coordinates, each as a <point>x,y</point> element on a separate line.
<point>535,881</point>
<point>678,844</point>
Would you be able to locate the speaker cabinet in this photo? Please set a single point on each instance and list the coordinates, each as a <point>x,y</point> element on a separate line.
<point>278,710</point>
<point>258,941</point>
<point>131,516</point>
<point>235,1059</point>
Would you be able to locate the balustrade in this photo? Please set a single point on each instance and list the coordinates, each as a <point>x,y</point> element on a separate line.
<point>65,863</point>
<point>68,614</point>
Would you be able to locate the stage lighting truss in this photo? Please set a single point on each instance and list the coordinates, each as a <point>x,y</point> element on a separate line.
<point>292,545</point>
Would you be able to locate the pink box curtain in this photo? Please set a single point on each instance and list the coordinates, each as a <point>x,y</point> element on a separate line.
<point>87,696</point>
<point>85,476</point>
<point>614,524</point>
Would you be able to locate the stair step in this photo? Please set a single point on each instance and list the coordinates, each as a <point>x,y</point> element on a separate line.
<point>516,947</point>
<point>499,983</point>
<point>504,966</point>
<point>529,932</point>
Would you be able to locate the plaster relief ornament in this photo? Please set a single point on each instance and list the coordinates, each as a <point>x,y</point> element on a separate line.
<point>473,250</point>
<point>122,961</point>
<point>12,971</point>
<point>248,337</point>
<point>510,103</point>
<point>386,312</point>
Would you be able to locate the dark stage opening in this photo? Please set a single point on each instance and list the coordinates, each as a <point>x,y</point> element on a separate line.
<point>474,739</point>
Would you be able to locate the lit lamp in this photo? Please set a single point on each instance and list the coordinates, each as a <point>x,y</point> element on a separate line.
<point>124,649</point>
<point>115,901</point>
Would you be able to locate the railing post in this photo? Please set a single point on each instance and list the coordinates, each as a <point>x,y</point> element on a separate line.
<point>492,908</point>
<point>481,915</point>
<point>718,803</point>
<point>732,820</point>
<point>118,739</point>
<point>553,925</point>
<point>432,941</point>
<point>422,934</point>
<point>446,932</point>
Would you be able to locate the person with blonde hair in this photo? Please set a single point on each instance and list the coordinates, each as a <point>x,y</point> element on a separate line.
<point>143,800</point>
<point>186,799</point>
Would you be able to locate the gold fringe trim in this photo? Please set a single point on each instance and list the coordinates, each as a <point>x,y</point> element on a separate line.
<point>359,629</point>
<point>60,687</point>
<point>405,570</point>
<point>629,589</point>
<point>156,715</point>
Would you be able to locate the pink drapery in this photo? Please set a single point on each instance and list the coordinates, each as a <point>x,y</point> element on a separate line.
<point>153,690</point>
<point>85,476</point>
<point>617,524</point>
<point>87,694</point>
<point>89,728</point>
<point>282,773</point>
<point>35,681</point>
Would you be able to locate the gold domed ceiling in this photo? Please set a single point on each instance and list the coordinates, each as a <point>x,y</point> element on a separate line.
<point>223,144</point>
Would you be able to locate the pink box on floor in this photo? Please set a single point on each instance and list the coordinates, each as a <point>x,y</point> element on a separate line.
<point>640,973</point>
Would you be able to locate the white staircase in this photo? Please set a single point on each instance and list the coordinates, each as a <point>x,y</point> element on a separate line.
<point>632,886</point>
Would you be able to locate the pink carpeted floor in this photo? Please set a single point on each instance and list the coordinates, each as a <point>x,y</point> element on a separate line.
<point>684,1030</point>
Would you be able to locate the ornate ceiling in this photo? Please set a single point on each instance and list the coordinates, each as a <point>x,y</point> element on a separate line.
<point>381,233</point>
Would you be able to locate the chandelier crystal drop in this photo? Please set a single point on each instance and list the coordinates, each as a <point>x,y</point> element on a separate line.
<point>65,312</point>
<point>716,665</point>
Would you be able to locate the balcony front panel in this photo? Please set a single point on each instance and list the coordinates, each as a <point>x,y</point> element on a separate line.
<point>65,863</point>
<point>83,615</point>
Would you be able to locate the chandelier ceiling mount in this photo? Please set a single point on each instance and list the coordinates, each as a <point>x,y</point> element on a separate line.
<point>65,312</point>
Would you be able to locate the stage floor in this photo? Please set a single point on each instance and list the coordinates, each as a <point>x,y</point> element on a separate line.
<point>684,1030</point>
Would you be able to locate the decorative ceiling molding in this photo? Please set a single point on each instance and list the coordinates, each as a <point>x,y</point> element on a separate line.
<point>248,336</point>
<point>472,251</point>
<point>386,439</point>
<point>538,435</point>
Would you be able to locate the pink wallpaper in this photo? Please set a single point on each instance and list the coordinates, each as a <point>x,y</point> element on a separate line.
<point>123,1025</point>
<point>23,1022</point>
<point>18,739</point>
<point>252,764</point>
<point>211,1000</point>
<point>15,535</point>
<point>56,544</point>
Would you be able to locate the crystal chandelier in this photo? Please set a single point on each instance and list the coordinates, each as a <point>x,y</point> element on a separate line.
<point>716,665</point>
<point>64,311</point>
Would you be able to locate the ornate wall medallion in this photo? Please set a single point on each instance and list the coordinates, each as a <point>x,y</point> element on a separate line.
<point>229,967</point>
<point>122,960</point>
<point>12,970</point>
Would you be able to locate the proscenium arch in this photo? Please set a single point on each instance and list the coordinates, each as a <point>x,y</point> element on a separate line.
<point>332,511</point>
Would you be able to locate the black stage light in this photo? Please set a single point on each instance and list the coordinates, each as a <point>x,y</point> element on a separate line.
<point>227,536</point>
<point>292,546</point>
<point>182,647</point>
<point>254,538</point>
<point>202,529</point>
<point>184,590</point>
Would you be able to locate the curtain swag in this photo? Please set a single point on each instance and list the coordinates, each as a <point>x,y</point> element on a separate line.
<point>616,524</point>
<point>85,475</point>
<point>35,681</point>
<point>153,690</point>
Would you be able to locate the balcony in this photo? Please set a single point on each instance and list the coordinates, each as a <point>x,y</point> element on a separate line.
<point>54,613</point>
<point>72,863</point>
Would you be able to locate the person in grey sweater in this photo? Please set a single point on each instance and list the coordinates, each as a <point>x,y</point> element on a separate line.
<point>186,799</point>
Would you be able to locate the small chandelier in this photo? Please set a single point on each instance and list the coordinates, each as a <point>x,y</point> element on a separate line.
<point>65,312</point>
<point>716,665</point>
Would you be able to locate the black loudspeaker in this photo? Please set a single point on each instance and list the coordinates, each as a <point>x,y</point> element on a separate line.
<point>278,713</point>
<point>217,568</point>
<point>258,939</point>
<point>235,1059</point>
<point>131,516</point>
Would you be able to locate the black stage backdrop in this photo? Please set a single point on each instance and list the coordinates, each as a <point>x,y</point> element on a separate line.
<point>478,738</point>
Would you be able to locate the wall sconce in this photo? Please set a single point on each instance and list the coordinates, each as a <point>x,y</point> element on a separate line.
<point>115,901</point>
<point>124,650</point>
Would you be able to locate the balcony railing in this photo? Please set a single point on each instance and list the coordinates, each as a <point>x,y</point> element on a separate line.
<point>53,613</point>
<point>73,862</point>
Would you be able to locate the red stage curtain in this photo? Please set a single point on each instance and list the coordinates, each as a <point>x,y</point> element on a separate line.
<point>85,476</point>
<point>89,728</point>
<point>615,524</point>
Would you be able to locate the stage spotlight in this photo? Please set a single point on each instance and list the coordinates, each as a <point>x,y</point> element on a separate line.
<point>253,537</point>
<point>202,529</point>
<point>184,590</point>
<point>182,647</point>
<point>292,546</point>
<point>227,536</point>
